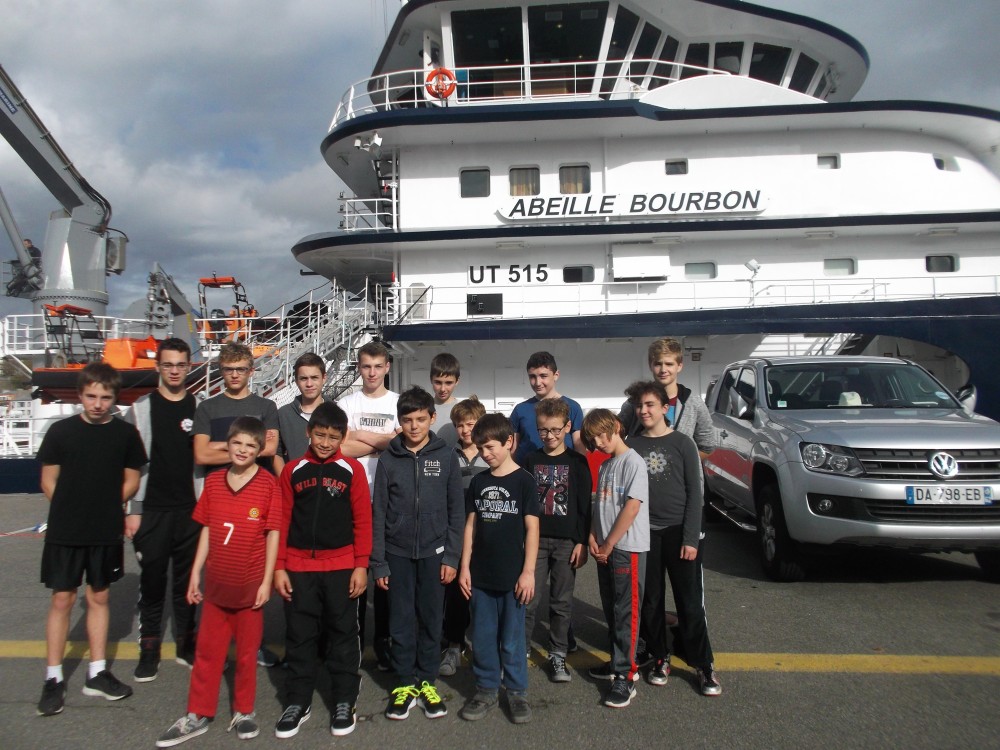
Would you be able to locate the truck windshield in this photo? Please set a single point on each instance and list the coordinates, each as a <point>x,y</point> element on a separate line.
<point>824,385</point>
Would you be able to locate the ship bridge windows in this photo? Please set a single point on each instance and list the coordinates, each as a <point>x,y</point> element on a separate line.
<point>487,41</point>
<point>474,183</point>
<point>768,62</point>
<point>574,178</point>
<point>729,56</point>
<point>696,59</point>
<point>525,181</point>
<point>941,263</point>
<point>626,23</point>
<point>663,72</point>
<point>649,38</point>
<point>559,37</point>
<point>805,71</point>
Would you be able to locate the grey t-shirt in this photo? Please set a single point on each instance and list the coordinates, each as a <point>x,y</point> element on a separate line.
<point>214,416</point>
<point>622,477</point>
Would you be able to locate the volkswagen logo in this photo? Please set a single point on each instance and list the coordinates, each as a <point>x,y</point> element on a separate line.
<point>943,465</point>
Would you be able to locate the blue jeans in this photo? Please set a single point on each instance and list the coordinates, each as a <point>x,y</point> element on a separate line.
<point>498,641</point>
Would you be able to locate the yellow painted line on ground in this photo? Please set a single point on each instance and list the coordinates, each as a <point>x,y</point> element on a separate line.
<point>724,662</point>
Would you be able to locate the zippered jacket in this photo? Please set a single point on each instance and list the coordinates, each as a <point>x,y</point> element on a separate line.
<point>326,515</point>
<point>418,510</point>
<point>691,417</point>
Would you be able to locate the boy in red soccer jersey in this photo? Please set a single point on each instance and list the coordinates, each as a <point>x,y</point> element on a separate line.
<point>240,509</point>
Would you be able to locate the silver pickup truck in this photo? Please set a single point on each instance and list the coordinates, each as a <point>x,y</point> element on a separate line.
<point>865,451</point>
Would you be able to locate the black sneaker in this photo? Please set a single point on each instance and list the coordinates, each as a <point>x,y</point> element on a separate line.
<point>106,685</point>
<point>708,682</point>
<point>343,720</point>
<point>621,694</point>
<point>184,652</point>
<point>266,657</point>
<point>53,697</point>
<point>291,719</point>
<point>478,705</point>
<point>605,672</point>
<point>401,702</point>
<point>431,702</point>
<point>557,665</point>
<point>642,655</point>
<point>149,662</point>
<point>659,673</point>
<point>382,648</point>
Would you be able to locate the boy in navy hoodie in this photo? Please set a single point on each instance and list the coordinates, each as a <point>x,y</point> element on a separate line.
<point>322,569</point>
<point>417,523</point>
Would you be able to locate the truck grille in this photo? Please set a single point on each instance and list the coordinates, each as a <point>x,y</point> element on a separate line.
<point>973,465</point>
<point>897,511</point>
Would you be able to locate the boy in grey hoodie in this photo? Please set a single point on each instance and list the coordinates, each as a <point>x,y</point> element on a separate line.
<point>417,521</point>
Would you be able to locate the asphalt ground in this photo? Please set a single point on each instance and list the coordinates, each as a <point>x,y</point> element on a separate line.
<point>876,649</point>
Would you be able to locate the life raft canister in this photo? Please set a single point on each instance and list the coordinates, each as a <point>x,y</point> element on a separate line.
<point>440,83</point>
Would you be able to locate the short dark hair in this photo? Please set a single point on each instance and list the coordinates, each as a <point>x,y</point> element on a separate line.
<point>542,359</point>
<point>599,422</point>
<point>330,416</point>
<point>492,427</point>
<point>470,408</point>
<point>375,349</point>
<point>248,426</point>
<point>99,373</point>
<point>445,364</point>
<point>552,407</point>
<point>415,399</point>
<point>173,344</point>
<point>309,359</point>
<point>641,388</point>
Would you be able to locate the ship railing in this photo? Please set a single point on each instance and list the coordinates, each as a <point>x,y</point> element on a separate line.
<point>17,434</point>
<point>440,303</point>
<point>367,214</point>
<point>584,80</point>
<point>25,335</point>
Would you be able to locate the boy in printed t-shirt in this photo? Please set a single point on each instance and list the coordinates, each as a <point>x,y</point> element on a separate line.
<point>498,571</point>
<point>240,510</point>
<point>542,375</point>
<point>371,423</point>
<point>563,480</point>
<point>322,569</point>
<point>676,541</point>
<point>619,542</point>
<point>416,548</point>
<point>91,450</point>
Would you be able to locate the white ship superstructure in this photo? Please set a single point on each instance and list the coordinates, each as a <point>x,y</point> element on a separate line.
<point>584,176</point>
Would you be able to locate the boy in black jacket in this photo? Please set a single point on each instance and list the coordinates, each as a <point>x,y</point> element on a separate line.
<point>321,571</point>
<point>417,523</point>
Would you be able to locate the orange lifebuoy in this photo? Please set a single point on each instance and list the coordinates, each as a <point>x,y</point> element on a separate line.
<point>440,83</point>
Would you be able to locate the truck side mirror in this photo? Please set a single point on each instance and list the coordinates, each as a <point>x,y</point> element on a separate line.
<point>967,395</point>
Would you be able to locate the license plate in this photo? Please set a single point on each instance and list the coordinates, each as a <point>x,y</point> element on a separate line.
<point>951,494</point>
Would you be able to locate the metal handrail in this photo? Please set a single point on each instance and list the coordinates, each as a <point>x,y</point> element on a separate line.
<point>584,80</point>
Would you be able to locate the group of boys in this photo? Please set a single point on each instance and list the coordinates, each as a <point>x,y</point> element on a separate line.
<point>458,527</point>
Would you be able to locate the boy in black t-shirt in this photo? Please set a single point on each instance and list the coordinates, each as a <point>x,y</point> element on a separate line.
<point>498,570</point>
<point>159,516</point>
<point>562,477</point>
<point>92,450</point>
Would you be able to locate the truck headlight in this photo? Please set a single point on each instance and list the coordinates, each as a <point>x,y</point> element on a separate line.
<point>830,459</point>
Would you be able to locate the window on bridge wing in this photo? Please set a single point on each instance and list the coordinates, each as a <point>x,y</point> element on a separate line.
<point>768,62</point>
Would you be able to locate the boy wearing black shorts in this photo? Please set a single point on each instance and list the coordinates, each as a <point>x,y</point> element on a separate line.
<point>90,467</point>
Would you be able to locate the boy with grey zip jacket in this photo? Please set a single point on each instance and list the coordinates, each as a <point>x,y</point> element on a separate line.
<point>417,523</point>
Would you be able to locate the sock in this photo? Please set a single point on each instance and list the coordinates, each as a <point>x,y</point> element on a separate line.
<point>95,668</point>
<point>54,672</point>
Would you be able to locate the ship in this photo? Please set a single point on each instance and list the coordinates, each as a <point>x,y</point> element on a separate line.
<point>583,177</point>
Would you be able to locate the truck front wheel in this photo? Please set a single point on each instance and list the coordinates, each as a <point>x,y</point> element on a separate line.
<point>781,559</point>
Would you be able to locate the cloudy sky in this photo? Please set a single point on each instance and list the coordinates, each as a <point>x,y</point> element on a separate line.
<point>200,120</point>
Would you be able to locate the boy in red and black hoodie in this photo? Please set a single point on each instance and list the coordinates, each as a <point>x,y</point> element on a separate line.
<point>322,570</point>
